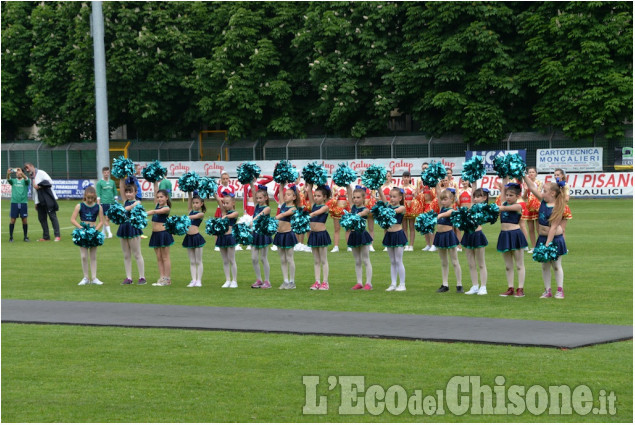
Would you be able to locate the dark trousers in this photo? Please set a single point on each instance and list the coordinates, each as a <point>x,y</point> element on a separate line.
<point>42,213</point>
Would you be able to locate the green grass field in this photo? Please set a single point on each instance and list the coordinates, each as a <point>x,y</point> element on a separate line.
<point>78,374</point>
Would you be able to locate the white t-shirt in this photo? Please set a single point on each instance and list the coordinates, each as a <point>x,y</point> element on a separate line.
<point>40,176</point>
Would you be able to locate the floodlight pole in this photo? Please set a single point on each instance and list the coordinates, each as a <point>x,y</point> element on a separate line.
<point>101,96</point>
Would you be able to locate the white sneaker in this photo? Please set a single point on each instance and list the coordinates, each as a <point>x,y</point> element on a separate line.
<point>233,284</point>
<point>109,235</point>
<point>526,248</point>
<point>191,284</point>
<point>432,248</point>
<point>371,249</point>
<point>482,291</point>
<point>274,248</point>
<point>307,249</point>
<point>217,249</point>
<point>531,251</point>
<point>83,282</point>
<point>248,248</point>
<point>96,281</point>
<point>427,248</point>
<point>336,249</point>
<point>198,284</point>
<point>401,287</point>
<point>239,248</point>
<point>391,288</point>
<point>411,248</point>
<point>349,249</point>
<point>298,247</point>
<point>459,250</point>
<point>473,290</point>
<point>385,249</point>
<point>226,284</point>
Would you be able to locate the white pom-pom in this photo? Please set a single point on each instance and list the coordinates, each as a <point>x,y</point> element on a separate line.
<point>245,219</point>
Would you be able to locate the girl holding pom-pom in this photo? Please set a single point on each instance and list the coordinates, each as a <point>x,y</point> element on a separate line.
<point>533,204</point>
<point>337,205</point>
<point>395,240</point>
<point>285,239</point>
<point>161,240</point>
<point>512,241</point>
<point>89,212</point>
<point>130,236</point>
<point>227,242</point>
<point>385,190</point>
<point>474,244</point>
<point>550,219</point>
<point>445,239</point>
<point>413,208</point>
<point>319,238</point>
<point>560,176</point>
<point>360,242</point>
<point>260,242</point>
<point>193,241</point>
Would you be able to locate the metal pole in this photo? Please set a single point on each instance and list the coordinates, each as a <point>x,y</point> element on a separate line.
<point>101,95</point>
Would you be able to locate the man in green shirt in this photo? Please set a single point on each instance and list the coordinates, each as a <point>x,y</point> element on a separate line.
<point>166,185</point>
<point>19,198</point>
<point>106,193</point>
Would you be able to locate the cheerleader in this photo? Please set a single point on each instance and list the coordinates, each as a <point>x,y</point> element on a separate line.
<point>561,176</point>
<point>550,219</point>
<point>474,244</point>
<point>511,240</point>
<point>227,243</point>
<point>360,242</point>
<point>223,186</point>
<point>385,190</point>
<point>395,240</point>
<point>319,238</point>
<point>260,242</point>
<point>464,199</point>
<point>130,236</point>
<point>450,179</point>
<point>427,197</point>
<point>445,239</point>
<point>304,203</point>
<point>413,208</point>
<point>161,240</point>
<point>193,241</point>
<point>248,196</point>
<point>285,239</point>
<point>533,204</point>
<point>89,212</point>
<point>337,205</point>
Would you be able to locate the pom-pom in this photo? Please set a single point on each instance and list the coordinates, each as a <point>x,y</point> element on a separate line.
<point>87,236</point>
<point>284,172</point>
<point>545,253</point>
<point>433,174</point>
<point>353,222</point>
<point>247,172</point>
<point>217,226</point>
<point>188,182</point>
<point>138,217</point>
<point>122,167</point>
<point>300,221</point>
<point>207,187</point>
<point>345,175</point>
<point>501,166</point>
<point>315,174</point>
<point>266,225</point>
<point>178,224</point>
<point>117,214</point>
<point>245,219</point>
<point>384,215</point>
<point>426,222</point>
<point>491,213</point>
<point>516,166</point>
<point>374,177</point>
<point>154,172</point>
<point>462,219</point>
<point>485,213</point>
<point>473,169</point>
<point>243,234</point>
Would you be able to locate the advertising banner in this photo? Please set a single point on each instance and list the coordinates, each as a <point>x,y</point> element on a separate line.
<point>570,160</point>
<point>489,156</point>
<point>624,158</point>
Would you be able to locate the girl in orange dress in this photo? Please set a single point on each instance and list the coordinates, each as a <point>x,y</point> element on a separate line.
<point>413,208</point>
<point>337,205</point>
<point>369,203</point>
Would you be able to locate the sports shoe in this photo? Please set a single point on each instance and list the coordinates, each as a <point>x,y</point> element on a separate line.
<point>96,281</point>
<point>226,284</point>
<point>307,249</point>
<point>371,249</point>
<point>109,235</point>
<point>191,284</point>
<point>508,293</point>
<point>526,248</point>
<point>197,284</point>
<point>257,284</point>
<point>385,249</point>
<point>166,282</point>
<point>442,289</point>
<point>336,249</point>
<point>482,291</point>
<point>274,248</point>
<point>357,286</point>
<point>248,248</point>
<point>290,285</point>
<point>459,249</point>
<point>233,284</point>
<point>349,249</point>
<point>83,282</point>
<point>57,239</point>
<point>531,251</point>
<point>239,248</point>
<point>217,249</point>
<point>127,281</point>
<point>546,294</point>
<point>324,286</point>
<point>401,287</point>
<point>142,281</point>
<point>27,240</point>
<point>473,290</point>
<point>285,285</point>
<point>10,239</point>
<point>43,240</point>
<point>459,289</point>
<point>559,294</point>
<point>367,287</point>
<point>159,282</point>
<point>391,288</point>
<point>315,286</point>
<point>144,237</point>
<point>409,248</point>
<point>265,285</point>
<point>520,292</point>
<point>427,248</point>
<point>298,247</point>
<point>432,248</point>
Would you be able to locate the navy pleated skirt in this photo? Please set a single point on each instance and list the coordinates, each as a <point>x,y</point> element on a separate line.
<point>474,240</point>
<point>395,239</point>
<point>511,240</point>
<point>285,240</point>
<point>319,239</point>
<point>193,241</point>
<point>261,241</point>
<point>126,231</point>
<point>557,240</point>
<point>356,239</point>
<point>446,240</point>
<point>226,241</point>
<point>161,239</point>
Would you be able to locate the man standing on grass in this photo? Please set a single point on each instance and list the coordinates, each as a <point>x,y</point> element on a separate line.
<point>106,193</point>
<point>166,185</point>
<point>45,200</point>
<point>19,199</point>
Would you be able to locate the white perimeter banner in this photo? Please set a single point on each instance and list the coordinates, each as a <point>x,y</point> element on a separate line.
<point>570,160</point>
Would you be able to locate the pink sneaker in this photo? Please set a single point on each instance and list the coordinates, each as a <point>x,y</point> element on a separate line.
<point>324,286</point>
<point>315,286</point>
<point>368,287</point>
<point>265,285</point>
<point>559,294</point>
<point>358,286</point>
<point>546,294</point>
<point>257,284</point>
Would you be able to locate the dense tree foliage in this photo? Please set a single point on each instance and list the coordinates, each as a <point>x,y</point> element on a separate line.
<point>278,68</point>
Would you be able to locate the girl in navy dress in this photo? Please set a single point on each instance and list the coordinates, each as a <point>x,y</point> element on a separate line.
<point>319,238</point>
<point>161,240</point>
<point>512,241</point>
<point>474,244</point>
<point>130,237</point>
<point>395,240</point>
<point>285,239</point>
<point>552,206</point>
<point>445,239</point>
<point>260,244</point>
<point>193,241</point>
<point>360,242</point>
<point>89,212</point>
<point>227,243</point>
